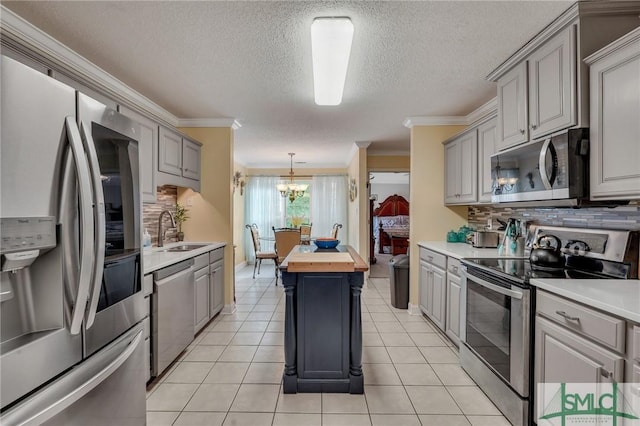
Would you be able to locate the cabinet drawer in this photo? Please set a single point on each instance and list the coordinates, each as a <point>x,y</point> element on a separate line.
<point>433,257</point>
<point>216,254</point>
<point>603,328</point>
<point>147,284</point>
<point>200,261</point>
<point>453,266</point>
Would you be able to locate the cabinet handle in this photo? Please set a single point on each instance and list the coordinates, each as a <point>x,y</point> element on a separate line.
<point>522,131</point>
<point>454,269</point>
<point>564,315</point>
<point>534,126</point>
<point>430,257</point>
<point>606,373</point>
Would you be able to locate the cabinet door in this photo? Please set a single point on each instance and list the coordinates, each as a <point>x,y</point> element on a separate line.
<point>148,153</point>
<point>453,308</point>
<point>486,148</point>
<point>512,108</point>
<point>439,299</point>
<point>615,127</point>
<point>552,82</point>
<point>425,287</point>
<point>451,175</point>
<point>190,159</point>
<point>216,270</point>
<point>468,168</point>
<point>562,356</point>
<point>170,152</point>
<point>201,301</point>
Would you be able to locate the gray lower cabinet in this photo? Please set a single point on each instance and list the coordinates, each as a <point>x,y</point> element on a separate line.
<point>432,285</point>
<point>454,289</point>
<point>201,298</point>
<point>575,343</point>
<point>216,281</point>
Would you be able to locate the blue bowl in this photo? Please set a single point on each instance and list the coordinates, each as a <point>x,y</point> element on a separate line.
<point>326,244</point>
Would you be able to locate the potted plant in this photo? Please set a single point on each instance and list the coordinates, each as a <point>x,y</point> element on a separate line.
<point>180,217</point>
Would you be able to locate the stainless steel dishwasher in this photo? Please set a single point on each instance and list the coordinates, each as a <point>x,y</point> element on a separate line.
<point>172,313</point>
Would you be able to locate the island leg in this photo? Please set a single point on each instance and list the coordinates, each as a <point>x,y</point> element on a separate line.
<point>290,376</point>
<point>356,385</point>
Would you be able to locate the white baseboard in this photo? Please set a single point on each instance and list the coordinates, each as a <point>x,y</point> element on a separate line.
<point>228,309</point>
<point>239,266</point>
<point>414,309</point>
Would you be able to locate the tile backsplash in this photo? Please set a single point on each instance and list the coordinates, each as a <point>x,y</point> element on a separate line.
<point>167,197</point>
<point>621,217</point>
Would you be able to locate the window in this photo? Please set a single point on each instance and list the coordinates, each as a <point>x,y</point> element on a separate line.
<point>299,211</point>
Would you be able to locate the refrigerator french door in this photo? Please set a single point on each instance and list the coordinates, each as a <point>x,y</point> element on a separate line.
<point>70,305</point>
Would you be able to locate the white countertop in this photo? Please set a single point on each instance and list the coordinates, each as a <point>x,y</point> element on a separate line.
<point>617,297</point>
<point>459,250</point>
<point>156,258</point>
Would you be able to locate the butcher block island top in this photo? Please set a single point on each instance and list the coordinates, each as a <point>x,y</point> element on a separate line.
<point>323,325</point>
<point>309,258</point>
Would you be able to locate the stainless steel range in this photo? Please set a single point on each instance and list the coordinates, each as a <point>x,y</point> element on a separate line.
<point>497,318</point>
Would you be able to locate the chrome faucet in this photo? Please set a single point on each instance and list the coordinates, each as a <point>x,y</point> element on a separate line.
<point>160,231</point>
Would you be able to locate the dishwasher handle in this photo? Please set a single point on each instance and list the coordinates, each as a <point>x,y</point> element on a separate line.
<point>173,269</point>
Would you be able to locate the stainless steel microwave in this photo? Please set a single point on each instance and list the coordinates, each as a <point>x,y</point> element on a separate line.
<point>554,168</point>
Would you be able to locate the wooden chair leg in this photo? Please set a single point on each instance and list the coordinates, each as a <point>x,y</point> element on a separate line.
<point>255,263</point>
<point>259,265</point>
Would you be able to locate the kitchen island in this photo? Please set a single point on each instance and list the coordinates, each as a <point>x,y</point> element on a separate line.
<point>323,328</point>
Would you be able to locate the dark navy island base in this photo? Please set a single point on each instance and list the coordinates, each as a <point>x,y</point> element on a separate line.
<point>323,329</point>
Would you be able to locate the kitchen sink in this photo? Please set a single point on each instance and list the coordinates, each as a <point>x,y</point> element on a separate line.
<point>184,247</point>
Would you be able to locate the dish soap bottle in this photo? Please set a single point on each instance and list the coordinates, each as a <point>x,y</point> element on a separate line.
<point>146,239</point>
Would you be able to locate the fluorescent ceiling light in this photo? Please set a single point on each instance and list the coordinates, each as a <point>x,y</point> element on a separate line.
<point>330,47</point>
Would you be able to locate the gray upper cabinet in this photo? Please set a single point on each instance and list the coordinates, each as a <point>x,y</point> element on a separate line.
<point>178,160</point>
<point>615,120</point>
<point>487,137</point>
<point>544,86</point>
<point>190,159</point>
<point>552,82</point>
<point>513,126</point>
<point>170,152</point>
<point>461,169</point>
<point>148,148</point>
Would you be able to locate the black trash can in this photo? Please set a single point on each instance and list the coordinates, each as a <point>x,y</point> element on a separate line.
<point>399,280</point>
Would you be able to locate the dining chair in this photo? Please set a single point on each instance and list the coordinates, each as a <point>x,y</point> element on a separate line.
<point>286,240</point>
<point>260,255</point>
<point>305,234</point>
<point>334,230</point>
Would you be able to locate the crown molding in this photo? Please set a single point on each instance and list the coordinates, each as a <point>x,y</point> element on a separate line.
<point>627,39</point>
<point>209,122</point>
<point>363,144</point>
<point>387,153</point>
<point>483,111</point>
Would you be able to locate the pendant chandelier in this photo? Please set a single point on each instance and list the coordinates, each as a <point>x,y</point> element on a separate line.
<point>291,190</point>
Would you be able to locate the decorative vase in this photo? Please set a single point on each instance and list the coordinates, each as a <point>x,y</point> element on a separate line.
<point>180,236</point>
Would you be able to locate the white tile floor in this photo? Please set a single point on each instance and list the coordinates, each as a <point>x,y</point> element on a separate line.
<point>231,373</point>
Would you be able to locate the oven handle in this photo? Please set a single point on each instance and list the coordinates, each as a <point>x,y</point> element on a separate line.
<point>515,294</point>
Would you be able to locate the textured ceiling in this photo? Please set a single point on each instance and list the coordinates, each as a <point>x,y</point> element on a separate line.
<point>251,61</point>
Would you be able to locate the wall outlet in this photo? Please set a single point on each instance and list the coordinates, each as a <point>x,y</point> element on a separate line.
<point>189,201</point>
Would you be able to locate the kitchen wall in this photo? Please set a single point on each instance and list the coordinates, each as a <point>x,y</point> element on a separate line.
<point>238,217</point>
<point>388,163</point>
<point>358,209</point>
<point>621,217</point>
<point>430,218</point>
<point>166,200</point>
<point>211,210</point>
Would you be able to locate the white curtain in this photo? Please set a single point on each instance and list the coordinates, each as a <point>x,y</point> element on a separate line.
<point>329,198</point>
<point>265,207</point>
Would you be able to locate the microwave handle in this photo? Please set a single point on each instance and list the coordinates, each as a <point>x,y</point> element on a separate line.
<point>547,147</point>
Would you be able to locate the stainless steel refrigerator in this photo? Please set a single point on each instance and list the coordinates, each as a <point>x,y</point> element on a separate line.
<point>71,302</point>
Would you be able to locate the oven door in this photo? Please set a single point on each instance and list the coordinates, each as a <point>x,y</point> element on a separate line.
<point>496,327</point>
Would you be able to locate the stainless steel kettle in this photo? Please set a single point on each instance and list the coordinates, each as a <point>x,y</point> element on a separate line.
<point>546,254</point>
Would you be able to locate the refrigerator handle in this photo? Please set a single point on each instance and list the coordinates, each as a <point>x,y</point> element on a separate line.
<point>100,223</point>
<point>86,223</point>
<point>62,394</point>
